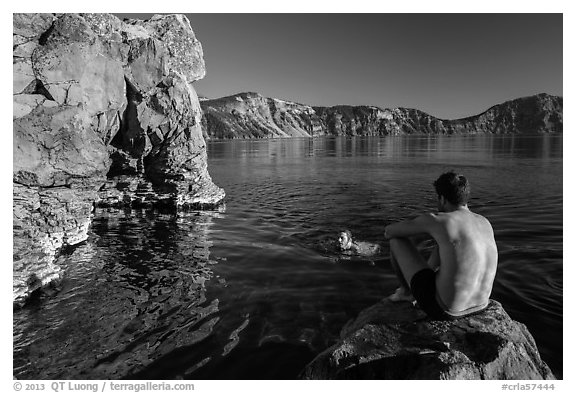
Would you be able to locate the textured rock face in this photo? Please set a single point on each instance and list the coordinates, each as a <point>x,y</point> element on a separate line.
<point>249,115</point>
<point>541,113</point>
<point>229,118</point>
<point>395,341</point>
<point>98,100</point>
<point>356,120</point>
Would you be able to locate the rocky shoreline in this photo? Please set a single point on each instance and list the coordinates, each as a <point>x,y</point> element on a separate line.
<point>396,341</point>
<point>104,115</point>
<point>249,115</point>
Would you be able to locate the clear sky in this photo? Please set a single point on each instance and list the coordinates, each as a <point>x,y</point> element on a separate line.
<point>448,65</point>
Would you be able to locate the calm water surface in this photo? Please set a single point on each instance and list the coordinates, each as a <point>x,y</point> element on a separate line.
<point>254,290</point>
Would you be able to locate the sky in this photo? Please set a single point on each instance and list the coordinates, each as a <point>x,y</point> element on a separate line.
<point>448,65</point>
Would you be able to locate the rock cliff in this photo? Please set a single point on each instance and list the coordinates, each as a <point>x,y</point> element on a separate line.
<point>396,341</point>
<point>104,112</point>
<point>249,115</point>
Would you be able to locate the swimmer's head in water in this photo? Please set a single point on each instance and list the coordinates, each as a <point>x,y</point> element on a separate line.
<point>345,240</point>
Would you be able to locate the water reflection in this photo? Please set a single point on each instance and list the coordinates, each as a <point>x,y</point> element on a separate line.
<point>130,296</point>
<point>469,147</point>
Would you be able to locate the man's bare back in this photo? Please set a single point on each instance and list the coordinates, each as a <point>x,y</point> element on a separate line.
<point>462,266</point>
<point>468,258</point>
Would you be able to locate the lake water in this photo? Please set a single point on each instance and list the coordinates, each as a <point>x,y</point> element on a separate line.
<point>254,291</point>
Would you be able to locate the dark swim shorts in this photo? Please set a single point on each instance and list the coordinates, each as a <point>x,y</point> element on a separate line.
<point>423,287</point>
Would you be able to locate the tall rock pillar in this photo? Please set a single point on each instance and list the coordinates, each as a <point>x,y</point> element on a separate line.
<point>102,108</point>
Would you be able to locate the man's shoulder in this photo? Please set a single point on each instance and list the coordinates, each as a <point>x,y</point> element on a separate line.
<point>441,222</point>
<point>485,222</point>
<point>472,216</point>
<point>469,219</point>
<point>430,220</point>
<point>430,217</point>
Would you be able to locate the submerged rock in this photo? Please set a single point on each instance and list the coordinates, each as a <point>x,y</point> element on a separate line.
<point>396,341</point>
<point>98,103</point>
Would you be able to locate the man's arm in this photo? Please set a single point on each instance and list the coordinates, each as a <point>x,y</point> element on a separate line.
<point>434,260</point>
<point>407,228</point>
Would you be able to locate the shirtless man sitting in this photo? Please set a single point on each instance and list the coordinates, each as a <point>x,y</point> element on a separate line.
<point>457,279</point>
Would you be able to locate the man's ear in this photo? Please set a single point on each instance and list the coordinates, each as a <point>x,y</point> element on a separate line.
<point>441,200</point>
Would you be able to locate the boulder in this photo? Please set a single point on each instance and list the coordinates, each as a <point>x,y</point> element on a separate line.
<point>397,341</point>
<point>98,100</point>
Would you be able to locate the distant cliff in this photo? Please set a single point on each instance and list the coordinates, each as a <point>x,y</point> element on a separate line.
<point>249,115</point>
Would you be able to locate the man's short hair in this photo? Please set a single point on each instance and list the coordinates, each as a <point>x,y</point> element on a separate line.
<point>453,187</point>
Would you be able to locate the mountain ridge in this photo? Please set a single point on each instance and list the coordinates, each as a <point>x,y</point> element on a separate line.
<point>251,115</point>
